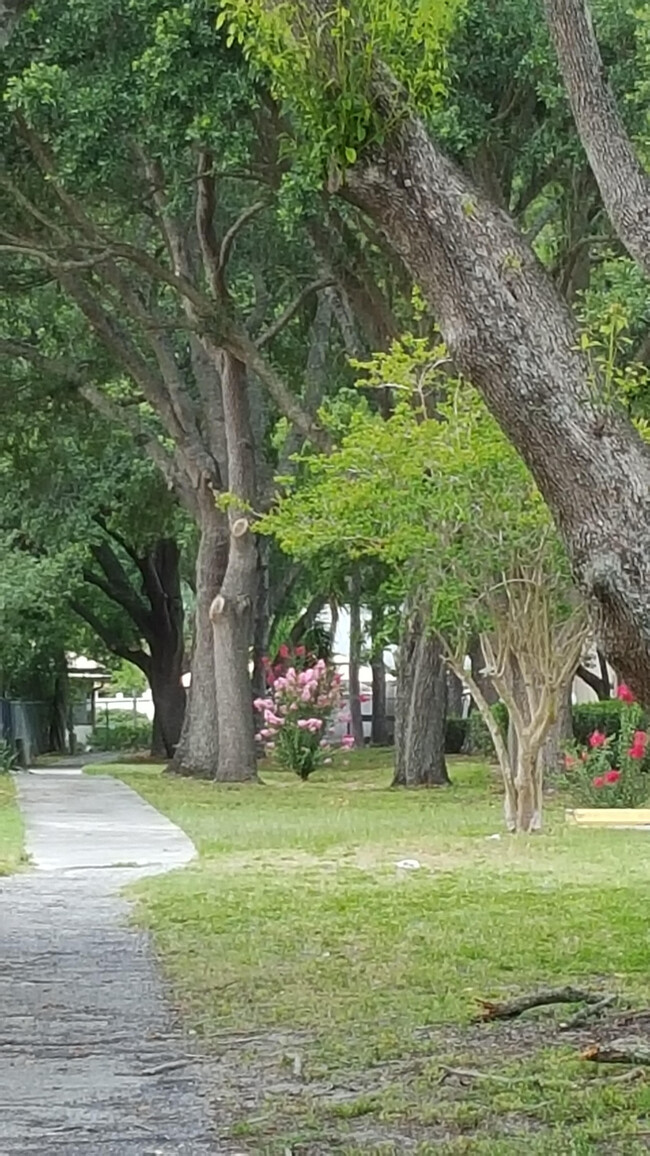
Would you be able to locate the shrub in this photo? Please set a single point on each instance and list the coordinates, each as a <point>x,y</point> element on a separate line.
<point>596,716</point>
<point>610,769</point>
<point>479,741</point>
<point>121,730</point>
<point>297,710</point>
<point>455,734</point>
<point>8,757</point>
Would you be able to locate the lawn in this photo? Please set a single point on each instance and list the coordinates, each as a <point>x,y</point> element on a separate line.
<point>11,827</point>
<point>335,987</point>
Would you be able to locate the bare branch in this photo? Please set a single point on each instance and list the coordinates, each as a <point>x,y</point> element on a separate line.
<point>235,229</point>
<point>290,312</point>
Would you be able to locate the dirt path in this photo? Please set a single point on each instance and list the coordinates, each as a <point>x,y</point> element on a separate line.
<point>92,1059</point>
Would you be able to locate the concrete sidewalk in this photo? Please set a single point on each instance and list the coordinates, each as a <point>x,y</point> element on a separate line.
<point>78,822</point>
<point>92,1058</point>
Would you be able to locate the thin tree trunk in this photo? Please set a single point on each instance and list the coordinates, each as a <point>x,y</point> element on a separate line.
<point>421,708</point>
<point>529,793</point>
<point>379,731</point>
<point>60,701</point>
<point>354,659</point>
<point>559,736</point>
<point>477,661</point>
<point>233,609</point>
<point>262,626</point>
<point>161,572</point>
<point>198,749</point>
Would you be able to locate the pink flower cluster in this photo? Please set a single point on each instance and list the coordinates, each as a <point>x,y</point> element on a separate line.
<point>297,709</point>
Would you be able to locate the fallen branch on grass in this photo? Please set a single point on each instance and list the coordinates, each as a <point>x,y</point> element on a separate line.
<point>509,1011</point>
<point>624,1051</point>
<point>588,1013</point>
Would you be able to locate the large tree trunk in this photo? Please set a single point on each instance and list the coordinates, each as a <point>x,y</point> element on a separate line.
<point>232,611</point>
<point>198,749</point>
<point>421,708</point>
<point>510,333</point>
<point>623,182</point>
<point>354,659</point>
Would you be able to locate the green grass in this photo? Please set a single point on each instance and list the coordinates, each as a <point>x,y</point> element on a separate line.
<point>334,986</point>
<point>11,828</point>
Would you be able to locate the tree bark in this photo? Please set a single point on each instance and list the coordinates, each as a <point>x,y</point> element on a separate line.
<point>454,694</point>
<point>198,749</point>
<point>162,582</point>
<point>421,708</point>
<point>624,184</point>
<point>233,609</point>
<point>510,333</point>
<point>60,703</point>
<point>559,736</point>
<point>354,659</point>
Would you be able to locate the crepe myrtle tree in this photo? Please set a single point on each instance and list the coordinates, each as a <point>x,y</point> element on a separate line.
<point>438,494</point>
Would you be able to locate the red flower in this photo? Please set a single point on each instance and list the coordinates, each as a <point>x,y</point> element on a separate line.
<point>599,781</point>
<point>283,652</point>
<point>624,693</point>
<point>637,750</point>
<point>300,652</point>
<point>612,776</point>
<point>569,762</point>
<point>597,739</point>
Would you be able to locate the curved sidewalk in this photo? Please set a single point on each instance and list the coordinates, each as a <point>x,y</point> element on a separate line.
<point>92,1059</point>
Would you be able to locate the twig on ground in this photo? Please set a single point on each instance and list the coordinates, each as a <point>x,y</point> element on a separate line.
<point>592,1011</point>
<point>624,1051</point>
<point>474,1074</point>
<point>509,1011</point>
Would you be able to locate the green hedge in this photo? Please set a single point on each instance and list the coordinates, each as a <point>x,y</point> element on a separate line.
<point>597,716</point>
<point>587,717</point>
<point>121,730</point>
<point>455,735</point>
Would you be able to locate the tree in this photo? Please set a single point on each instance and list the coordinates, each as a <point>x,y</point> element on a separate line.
<point>78,490</point>
<point>151,270</point>
<point>445,500</point>
<point>506,327</point>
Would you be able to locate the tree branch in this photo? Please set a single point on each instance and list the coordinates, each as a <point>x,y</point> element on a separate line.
<point>139,657</point>
<point>290,312</point>
<point>624,185</point>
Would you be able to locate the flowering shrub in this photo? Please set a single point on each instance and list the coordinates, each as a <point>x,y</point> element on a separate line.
<point>610,770</point>
<point>297,710</point>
